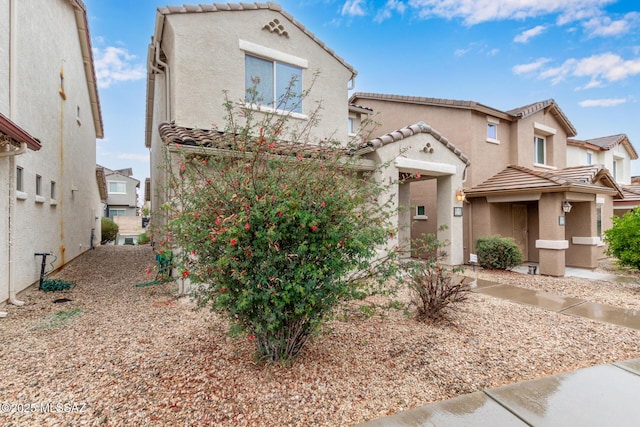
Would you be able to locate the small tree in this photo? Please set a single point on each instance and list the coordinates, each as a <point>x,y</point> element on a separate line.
<point>498,252</point>
<point>276,233</point>
<point>623,239</point>
<point>109,230</point>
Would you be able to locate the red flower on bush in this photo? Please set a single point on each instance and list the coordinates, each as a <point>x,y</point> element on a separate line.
<point>272,145</point>
<point>251,337</point>
<point>280,214</point>
<point>323,204</point>
<point>148,271</point>
<point>247,226</point>
<point>185,274</point>
<point>183,168</point>
<point>234,242</point>
<point>314,227</point>
<point>218,221</point>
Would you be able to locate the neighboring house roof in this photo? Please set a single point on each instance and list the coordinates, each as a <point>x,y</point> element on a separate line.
<point>518,179</point>
<point>16,135</point>
<point>451,103</point>
<point>89,68</point>
<point>102,183</point>
<point>354,108</point>
<point>218,7</point>
<point>408,131</point>
<point>515,114</point>
<point>110,173</point>
<point>631,198</point>
<point>606,143</point>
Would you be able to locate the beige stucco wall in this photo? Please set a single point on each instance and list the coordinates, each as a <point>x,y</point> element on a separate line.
<point>207,59</point>
<point>47,41</point>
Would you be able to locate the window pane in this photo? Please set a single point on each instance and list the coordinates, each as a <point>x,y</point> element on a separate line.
<point>258,75</point>
<point>492,131</point>
<point>117,187</point>
<point>288,87</point>
<point>420,210</point>
<point>53,189</point>
<point>19,182</point>
<point>599,220</point>
<point>38,185</point>
<point>539,147</point>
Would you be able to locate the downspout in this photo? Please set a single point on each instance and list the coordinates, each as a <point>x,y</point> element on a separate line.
<point>166,81</point>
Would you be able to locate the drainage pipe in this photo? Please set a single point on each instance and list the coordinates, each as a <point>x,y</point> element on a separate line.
<point>167,84</point>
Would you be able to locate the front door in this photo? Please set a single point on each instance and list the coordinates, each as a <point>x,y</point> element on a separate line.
<point>521,229</point>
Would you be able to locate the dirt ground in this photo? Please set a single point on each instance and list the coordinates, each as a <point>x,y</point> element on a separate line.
<point>117,354</point>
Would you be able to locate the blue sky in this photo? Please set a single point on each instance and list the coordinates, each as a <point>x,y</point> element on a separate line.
<point>585,54</point>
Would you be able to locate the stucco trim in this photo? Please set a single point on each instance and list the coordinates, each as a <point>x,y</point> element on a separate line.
<point>552,244</point>
<point>276,55</point>
<point>16,134</point>
<point>414,166</point>
<point>510,198</point>
<point>544,129</point>
<point>589,241</point>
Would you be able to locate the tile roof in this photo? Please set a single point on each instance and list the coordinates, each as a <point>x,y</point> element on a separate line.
<point>518,179</point>
<point>527,110</point>
<point>236,7</point>
<point>408,131</point>
<point>208,138</point>
<point>631,197</point>
<point>15,135</point>
<point>606,143</point>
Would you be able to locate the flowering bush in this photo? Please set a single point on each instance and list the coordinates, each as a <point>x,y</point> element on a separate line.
<point>276,233</point>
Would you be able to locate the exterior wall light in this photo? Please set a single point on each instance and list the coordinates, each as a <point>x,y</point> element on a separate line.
<point>460,196</point>
<point>566,207</point>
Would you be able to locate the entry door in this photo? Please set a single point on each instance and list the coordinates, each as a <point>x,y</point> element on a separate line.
<point>521,228</point>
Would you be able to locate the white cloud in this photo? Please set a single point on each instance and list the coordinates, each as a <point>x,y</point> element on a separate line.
<point>610,102</point>
<point>526,35</point>
<point>530,67</point>
<point>607,66</point>
<point>604,26</point>
<point>115,64</point>
<point>389,8</point>
<point>477,11</point>
<point>353,8</point>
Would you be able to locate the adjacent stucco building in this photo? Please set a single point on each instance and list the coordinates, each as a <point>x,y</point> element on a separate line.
<point>49,121</point>
<point>517,184</point>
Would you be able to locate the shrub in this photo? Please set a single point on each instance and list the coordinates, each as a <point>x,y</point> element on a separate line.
<point>623,239</point>
<point>277,235</point>
<point>435,288</point>
<point>143,238</point>
<point>109,230</point>
<point>498,252</point>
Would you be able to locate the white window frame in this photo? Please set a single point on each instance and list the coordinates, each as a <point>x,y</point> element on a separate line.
<point>19,179</point>
<point>421,213</point>
<point>537,141</point>
<point>492,123</point>
<point>350,126</point>
<point>117,182</point>
<point>39,196</point>
<point>275,56</point>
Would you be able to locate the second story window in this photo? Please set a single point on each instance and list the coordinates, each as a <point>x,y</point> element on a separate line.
<point>539,150</point>
<point>278,85</point>
<point>589,158</point>
<point>492,131</point>
<point>19,179</point>
<point>38,185</point>
<point>117,187</point>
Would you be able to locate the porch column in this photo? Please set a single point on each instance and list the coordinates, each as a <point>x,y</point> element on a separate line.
<point>404,219</point>
<point>452,232</point>
<point>552,243</point>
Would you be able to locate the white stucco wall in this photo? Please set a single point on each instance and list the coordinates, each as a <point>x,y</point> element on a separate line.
<point>47,42</point>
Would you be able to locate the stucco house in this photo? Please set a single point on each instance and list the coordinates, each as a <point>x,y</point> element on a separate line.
<point>517,183</point>
<point>614,152</point>
<point>49,121</point>
<point>122,192</point>
<point>185,95</point>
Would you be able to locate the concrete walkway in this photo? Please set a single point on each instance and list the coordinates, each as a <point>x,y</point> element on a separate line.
<point>596,396</point>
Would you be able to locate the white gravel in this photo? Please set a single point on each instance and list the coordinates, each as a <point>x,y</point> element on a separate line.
<point>127,355</point>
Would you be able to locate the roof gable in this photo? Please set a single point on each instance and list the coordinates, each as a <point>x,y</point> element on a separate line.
<point>606,143</point>
<point>551,106</point>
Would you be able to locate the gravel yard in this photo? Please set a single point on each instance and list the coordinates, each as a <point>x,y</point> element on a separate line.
<point>124,355</point>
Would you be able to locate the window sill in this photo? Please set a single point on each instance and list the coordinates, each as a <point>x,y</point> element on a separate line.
<point>540,165</point>
<point>21,195</point>
<point>421,217</point>
<point>493,141</point>
<point>40,199</point>
<point>263,109</point>
<point>53,202</point>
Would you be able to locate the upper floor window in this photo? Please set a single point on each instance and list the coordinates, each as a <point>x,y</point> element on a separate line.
<point>278,85</point>
<point>38,185</point>
<point>615,171</point>
<point>350,126</point>
<point>492,129</point>
<point>53,190</point>
<point>19,179</point>
<point>539,149</point>
<point>117,187</point>
<point>589,158</point>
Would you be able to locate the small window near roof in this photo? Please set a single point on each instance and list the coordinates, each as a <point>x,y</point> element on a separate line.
<point>589,158</point>
<point>421,212</point>
<point>492,131</point>
<point>539,149</point>
<point>38,185</point>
